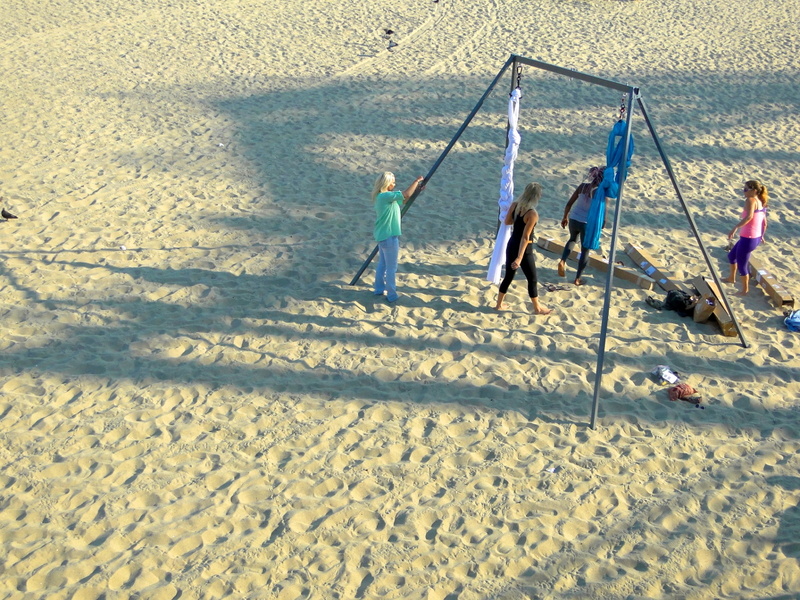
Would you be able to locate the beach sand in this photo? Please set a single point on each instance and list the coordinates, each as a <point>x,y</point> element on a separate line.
<point>196,403</point>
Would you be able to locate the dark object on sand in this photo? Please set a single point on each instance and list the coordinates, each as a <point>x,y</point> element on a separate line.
<point>677,300</point>
<point>7,215</point>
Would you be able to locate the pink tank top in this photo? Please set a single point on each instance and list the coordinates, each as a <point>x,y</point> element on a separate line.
<point>755,227</point>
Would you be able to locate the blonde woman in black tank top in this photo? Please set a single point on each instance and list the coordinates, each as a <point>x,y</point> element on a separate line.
<point>519,252</point>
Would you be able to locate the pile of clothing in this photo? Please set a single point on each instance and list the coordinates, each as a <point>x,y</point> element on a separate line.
<point>792,320</point>
<point>677,300</point>
<point>685,392</point>
<point>679,391</point>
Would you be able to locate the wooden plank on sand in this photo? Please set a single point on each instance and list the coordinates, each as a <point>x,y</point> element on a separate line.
<point>707,287</point>
<point>601,264</point>
<point>649,266</point>
<point>781,298</point>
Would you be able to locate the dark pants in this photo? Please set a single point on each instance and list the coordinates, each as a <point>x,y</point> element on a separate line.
<point>576,229</point>
<point>583,261</point>
<point>528,266</point>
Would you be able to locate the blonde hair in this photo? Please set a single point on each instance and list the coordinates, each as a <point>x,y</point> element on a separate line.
<point>528,199</point>
<point>760,188</point>
<point>382,184</point>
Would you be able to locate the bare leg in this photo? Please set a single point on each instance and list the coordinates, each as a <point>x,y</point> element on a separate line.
<point>538,308</point>
<point>562,268</point>
<point>745,279</point>
<point>499,305</point>
<point>732,277</point>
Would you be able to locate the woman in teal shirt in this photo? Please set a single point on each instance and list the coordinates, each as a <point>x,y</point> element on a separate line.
<point>387,231</point>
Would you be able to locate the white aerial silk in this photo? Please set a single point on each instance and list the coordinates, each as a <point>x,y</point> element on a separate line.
<point>506,190</point>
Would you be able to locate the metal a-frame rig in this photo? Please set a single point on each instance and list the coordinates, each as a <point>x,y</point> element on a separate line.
<point>515,63</point>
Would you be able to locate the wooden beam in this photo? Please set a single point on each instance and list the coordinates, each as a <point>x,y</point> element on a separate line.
<point>780,296</point>
<point>648,265</point>
<point>601,264</point>
<point>707,287</point>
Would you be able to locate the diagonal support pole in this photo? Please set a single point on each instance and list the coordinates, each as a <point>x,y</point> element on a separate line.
<point>441,158</point>
<point>692,223</point>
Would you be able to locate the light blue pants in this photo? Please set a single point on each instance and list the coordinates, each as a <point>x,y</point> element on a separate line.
<point>386,272</point>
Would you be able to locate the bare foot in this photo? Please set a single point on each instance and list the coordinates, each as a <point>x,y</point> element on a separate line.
<point>542,311</point>
<point>500,307</point>
<point>578,282</point>
<point>740,294</point>
<point>729,280</point>
<point>562,269</point>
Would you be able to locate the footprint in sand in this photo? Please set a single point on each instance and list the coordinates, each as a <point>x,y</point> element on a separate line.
<point>181,349</point>
<point>123,577</point>
<point>186,546</point>
<point>301,521</point>
<point>328,487</point>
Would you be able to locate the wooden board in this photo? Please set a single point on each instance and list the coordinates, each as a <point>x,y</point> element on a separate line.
<point>721,315</point>
<point>649,266</point>
<point>780,296</point>
<point>601,264</point>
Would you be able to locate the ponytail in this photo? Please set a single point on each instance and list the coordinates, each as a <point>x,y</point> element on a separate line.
<point>760,189</point>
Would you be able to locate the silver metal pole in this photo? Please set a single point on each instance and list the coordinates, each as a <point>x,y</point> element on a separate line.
<point>622,87</point>
<point>693,225</point>
<point>623,173</point>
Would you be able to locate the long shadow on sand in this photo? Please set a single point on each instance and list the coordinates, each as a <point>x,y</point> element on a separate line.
<point>298,125</point>
<point>236,311</point>
<point>255,306</point>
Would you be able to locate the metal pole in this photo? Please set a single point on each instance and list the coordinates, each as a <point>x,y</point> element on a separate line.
<point>441,158</point>
<point>693,225</point>
<point>623,172</point>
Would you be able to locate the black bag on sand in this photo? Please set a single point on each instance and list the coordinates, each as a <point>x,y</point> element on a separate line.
<point>681,302</point>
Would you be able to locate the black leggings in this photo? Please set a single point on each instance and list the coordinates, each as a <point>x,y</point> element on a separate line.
<point>576,229</point>
<point>528,266</point>
<point>583,261</point>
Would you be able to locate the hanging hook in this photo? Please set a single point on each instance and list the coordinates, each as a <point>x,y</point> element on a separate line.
<point>622,107</point>
<point>519,76</point>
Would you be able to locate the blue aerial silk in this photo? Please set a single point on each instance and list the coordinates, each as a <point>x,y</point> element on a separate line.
<point>609,187</point>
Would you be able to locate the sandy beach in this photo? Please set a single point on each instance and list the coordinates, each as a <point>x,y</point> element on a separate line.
<point>196,403</point>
